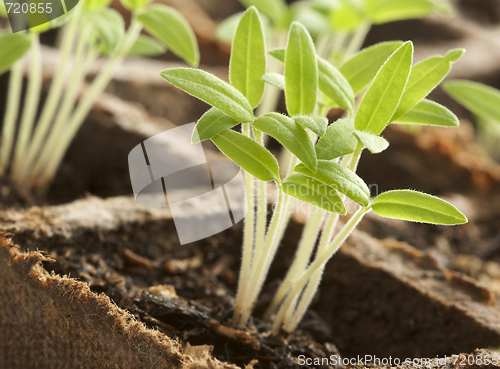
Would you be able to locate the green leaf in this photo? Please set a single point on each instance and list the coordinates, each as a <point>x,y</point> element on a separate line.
<point>334,85</point>
<point>337,141</point>
<point>314,21</point>
<point>248,57</point>
<point>301,72</point>
<point>278,54</point>
<point>429,113</point>
<point>342,179</point>
<point>315,123</point>
<point>211,90</point>
<point>274,9</point>
<point>95,4</point>
<point>227,28</point>
<point>3,10</point>
<point>135,5</point>
<point>374,143</point>
<point>12,47</point>
<point>363,67</point>
<point>346,16</point>
<point>289,134</point>
<point>169,26</point>
<point>384,11</point>
<point>146,46</point>
<point>382,98</point>
<point>417,207</point>
<point>424,77</point>
<point>480,99</point>
<point>314,192</point>
<point>108,25</point>
<point>248,154</point>
<point>211,124</point>
<point>275,79</point>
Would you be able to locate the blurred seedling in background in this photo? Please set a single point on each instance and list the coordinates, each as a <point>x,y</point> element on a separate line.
<point>484,102</point>
<point>33,145</point>
<point>324,158</point>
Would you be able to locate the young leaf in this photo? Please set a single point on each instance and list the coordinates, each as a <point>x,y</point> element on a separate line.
<point>248,154</point>
<point>12,47</point>
<point>274,9</point>
<point>95,4</point>
<point>274,79</point>
<point>169,26</point>
<point>227,28</point>
<point>109,26</point>
<point>301,72</point>
<point>315,123</point>
<point>374,143</point>
<point>211,90</point>
<point>314,192</point>
<point>417,207</point>
<point>384,11</point>
<point>135,4</point>
<point>342,179</point>
<point>363,67</point>
<point>424,77</point>
<point>211,124</point>
<point>289,134</point>
<point>430,113</point>
<point>334,85</point>
<point>146,46</point>
<point>248,57</point>
<point>480,99</point>
<point>337,141</point>
<point>346,16</point>
<point>278,54</point>
<point>382,98</point>
<point>3,10</point>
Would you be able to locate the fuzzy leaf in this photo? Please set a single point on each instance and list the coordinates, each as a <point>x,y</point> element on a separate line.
<point>362,68</point>
<point>334,85</point>
<point>315,123</point>
<point>12,47</point>
<point>301,72</point>
<point>430,113</point>
<point>169,26</point>
<point>211,124</point>
<point>278,54</point>
<point>211,90</point>
<point>275,79</point>
<point>417,207</point>
<point>248,57</point>
<point>289,134</point>
<point>480,99</point>
<point>109,26</point>
<point>274,9</point>
<point>146,46</point>
<point>337,141</point>
<point>424,77</point>
<point>382,98</point>
<point>342,179</point>
<point>314,192</point>
<point>374,143</point>
<point>248,154</point>
<point>227,28</point>
<point>384,11</point>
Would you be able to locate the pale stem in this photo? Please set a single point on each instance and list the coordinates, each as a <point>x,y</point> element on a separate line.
<point>11,114</point>
<point>248,241</point>
<point>83,108</point>
<point>260,232</point>
<point>314,267</point>
<point>357,40</point>
<point>262,262</point>
<point>56,89</point>
<point>30,106</point>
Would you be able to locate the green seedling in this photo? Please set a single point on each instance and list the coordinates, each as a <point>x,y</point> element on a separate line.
<point>322,170</point>
<point>484,102</point>
<point>33,148</point>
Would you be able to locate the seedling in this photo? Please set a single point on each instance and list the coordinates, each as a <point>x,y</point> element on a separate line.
<point>325,157</point>
<point>34,150</point>
<point>484,102</point>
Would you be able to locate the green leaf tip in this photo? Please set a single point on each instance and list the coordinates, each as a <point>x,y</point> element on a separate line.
<point>454,55</point>
<point>417,207</point>
<point>374,143</point>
